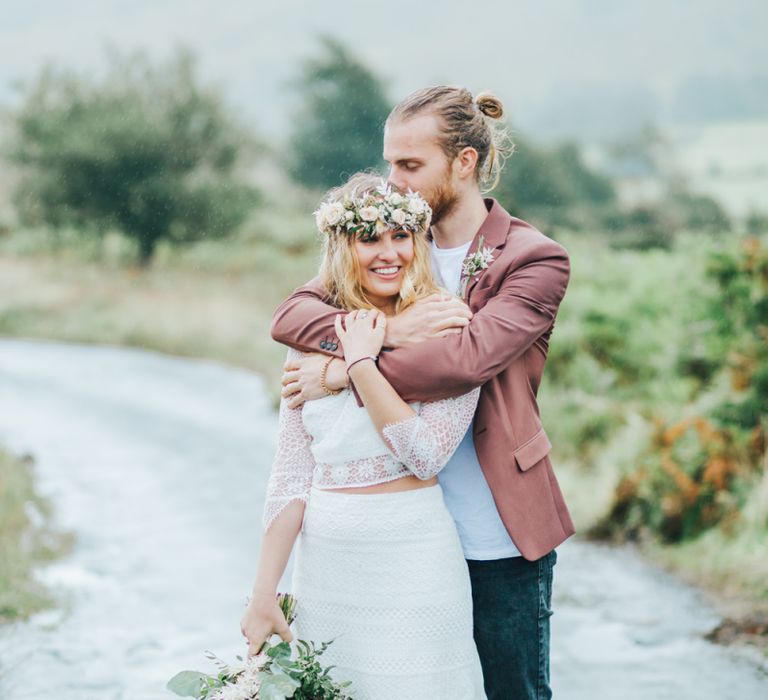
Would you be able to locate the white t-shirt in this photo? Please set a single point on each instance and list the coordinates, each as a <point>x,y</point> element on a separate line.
<point>466,492</point>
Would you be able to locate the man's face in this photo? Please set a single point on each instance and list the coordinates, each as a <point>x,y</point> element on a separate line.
<point>417,162</point>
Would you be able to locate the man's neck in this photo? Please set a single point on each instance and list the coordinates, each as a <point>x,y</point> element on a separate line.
<point>461,224</point>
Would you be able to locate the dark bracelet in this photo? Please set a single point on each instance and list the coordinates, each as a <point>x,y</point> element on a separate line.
<point>367,357</point>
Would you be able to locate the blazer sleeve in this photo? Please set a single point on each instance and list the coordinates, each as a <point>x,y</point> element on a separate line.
<point>305,321</point>
<point>521,312</point>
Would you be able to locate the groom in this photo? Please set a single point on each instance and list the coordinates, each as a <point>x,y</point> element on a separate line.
<point>499,485</point>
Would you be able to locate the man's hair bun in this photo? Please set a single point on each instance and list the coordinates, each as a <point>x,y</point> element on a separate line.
<point>489,105</point>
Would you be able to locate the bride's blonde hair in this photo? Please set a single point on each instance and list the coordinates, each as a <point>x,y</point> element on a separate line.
<point>340,269</point>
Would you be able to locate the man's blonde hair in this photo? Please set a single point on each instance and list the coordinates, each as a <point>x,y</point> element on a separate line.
<point>464,121</point>
<point>340,269</point>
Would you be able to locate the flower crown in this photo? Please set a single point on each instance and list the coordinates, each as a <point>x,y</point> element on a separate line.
<point>373,213</point>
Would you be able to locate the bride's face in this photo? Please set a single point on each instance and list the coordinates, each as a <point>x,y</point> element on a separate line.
<point>383,262</point>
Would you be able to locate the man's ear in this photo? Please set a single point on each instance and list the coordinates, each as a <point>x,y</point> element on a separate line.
<point>466,162</point>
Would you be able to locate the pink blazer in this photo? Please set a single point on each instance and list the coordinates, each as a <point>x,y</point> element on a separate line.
<point>504,349</point>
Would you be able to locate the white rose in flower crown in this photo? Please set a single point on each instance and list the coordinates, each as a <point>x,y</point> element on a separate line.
<point>350,215</point>
<point>395,199</point>
<point>334,212</point>
<point>399,216</point>
<point>320,219</point>
<point>369,213</point>
<point>416,205</point>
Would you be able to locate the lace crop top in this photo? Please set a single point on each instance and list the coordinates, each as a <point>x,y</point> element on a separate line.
<point>333,443</point>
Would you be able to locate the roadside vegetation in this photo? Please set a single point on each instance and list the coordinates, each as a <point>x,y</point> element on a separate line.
<point>27,540</point>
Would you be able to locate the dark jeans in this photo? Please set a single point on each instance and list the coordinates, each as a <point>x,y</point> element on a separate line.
<point>512,601</point>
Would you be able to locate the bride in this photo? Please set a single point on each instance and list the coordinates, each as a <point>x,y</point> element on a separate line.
<point>379,567</point>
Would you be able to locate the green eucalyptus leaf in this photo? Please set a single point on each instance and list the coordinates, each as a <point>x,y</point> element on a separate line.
<point>277,686</point>
<point>187,683</point>
<point>280,650</point>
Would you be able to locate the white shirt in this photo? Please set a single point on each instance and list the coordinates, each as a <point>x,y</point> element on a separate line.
<point>466,492</point>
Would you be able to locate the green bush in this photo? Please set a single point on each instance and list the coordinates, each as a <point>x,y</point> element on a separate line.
<point>145,150</point>
<point>698,473</point>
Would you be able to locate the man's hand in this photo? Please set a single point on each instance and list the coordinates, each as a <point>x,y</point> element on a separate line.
<point>301,378</point>
<point>435,316</point>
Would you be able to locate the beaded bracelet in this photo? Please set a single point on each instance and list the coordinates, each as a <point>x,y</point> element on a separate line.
<point>323,385</point>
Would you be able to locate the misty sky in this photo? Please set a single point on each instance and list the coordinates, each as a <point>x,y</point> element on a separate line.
<point>561,67</point>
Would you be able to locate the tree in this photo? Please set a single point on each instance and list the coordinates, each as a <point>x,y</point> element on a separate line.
<point>146,150</point>
<point>339,129</point>
<point>554,186</point>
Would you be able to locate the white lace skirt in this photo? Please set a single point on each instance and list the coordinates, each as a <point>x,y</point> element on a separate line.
<point>384,575</point>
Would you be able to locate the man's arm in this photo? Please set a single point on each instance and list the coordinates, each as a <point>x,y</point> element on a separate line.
<point>305,321</point>
<point>521,312</point>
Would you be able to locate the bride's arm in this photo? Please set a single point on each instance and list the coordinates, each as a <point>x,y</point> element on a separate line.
<point>288,488</point>
<point>423,441</point>
<point>262,617</point>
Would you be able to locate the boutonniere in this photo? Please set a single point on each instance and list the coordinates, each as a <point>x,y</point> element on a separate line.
<point>474,264</point>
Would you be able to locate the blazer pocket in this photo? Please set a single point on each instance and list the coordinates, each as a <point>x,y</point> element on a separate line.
<point>532,451</point>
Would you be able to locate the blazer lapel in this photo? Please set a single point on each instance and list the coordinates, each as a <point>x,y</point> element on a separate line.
<point>493,233</point>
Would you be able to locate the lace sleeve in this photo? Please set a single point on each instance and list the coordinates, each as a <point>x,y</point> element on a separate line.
<point>426,441</point>
<point>291,476</point>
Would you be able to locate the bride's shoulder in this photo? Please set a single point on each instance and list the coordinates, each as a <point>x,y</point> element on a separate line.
<point>293,354</point>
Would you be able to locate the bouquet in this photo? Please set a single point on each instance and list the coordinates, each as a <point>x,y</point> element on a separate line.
<point>273,674</point>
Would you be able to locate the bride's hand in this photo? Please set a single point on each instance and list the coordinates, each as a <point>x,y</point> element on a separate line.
<point>263,618</point>
<point>361,333</point>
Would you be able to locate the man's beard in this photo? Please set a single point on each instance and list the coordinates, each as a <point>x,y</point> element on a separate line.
<point>442,199</point>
